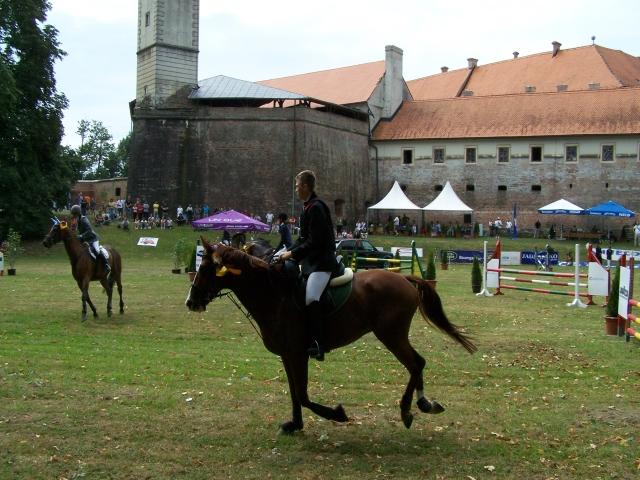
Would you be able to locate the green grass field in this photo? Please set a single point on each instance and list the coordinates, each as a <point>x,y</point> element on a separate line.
<point>160,392</point>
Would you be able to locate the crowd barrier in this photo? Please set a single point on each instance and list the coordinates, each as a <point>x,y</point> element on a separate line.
<point>597,279</point>
<point>626,302</point>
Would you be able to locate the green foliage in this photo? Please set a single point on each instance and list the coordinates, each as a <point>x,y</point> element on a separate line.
<point>181,252</point>
<point>191,266</point>
<point>13,247</point>
<point>476,276</point>
<point>30,118</point>
<point>444,256</point>
<point>614,295</point>
<point>430,274</point>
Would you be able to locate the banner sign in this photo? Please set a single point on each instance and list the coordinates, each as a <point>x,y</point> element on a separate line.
<point>148,242</point>
<point>199,255</point>
<point>510,258</point>
<point>623,300</point>
<point>463,256</point>
<point>598,280</point>
<point>616,254</point>
<point>529,258</point>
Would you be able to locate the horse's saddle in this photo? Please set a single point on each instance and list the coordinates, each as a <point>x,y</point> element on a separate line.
<point>93,254</point>
<point>334,296</point>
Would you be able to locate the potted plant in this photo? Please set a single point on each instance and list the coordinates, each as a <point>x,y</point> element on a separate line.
<point>611,308</point>
<point>476,276</point>
<point>178,255</point>
<point>13,250</point>
<point>444,259</point>
<point>191,266</point>
<point>430,274</point>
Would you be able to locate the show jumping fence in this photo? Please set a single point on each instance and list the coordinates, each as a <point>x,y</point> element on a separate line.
<point>409,265</point>
<point>493,277</point>
<point>626,302</point>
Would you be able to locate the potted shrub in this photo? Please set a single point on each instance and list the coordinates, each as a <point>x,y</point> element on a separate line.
<point>191,266</point>
<point>430,274</point>
<point>178,255</point>
<point>476,276</point>
<point>444,259</point>
<point>13,250</point>
<point>611,308</point>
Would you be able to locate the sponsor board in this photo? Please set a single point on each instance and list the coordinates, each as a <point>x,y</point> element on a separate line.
<point>598,280</point>
<point>625,285</point>
<point>529,258</point>
<point>199,255</point>
<point>148,242</point>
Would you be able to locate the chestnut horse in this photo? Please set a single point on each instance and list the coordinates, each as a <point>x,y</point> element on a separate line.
<point>84,269</point>
<point>381,302</point>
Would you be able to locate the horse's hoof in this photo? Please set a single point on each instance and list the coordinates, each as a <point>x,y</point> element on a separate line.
<point>84,317</point>
<point>407,419</point>
<point>424,405</point>
<point>436,407</point>
<point>290,427</point>
<point>339,415</point>
<point>95,315</point>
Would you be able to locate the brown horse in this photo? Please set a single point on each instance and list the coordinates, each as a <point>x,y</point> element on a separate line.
<point>84,269</point>
<point>381,302</point>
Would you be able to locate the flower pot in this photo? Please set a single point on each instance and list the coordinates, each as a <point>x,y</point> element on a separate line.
<point>192,276</point>
<point>11,271</point>
<point>444,266</point>
<point>176,270</point>
<point>610,325</point>
<point>476,287</point>
<point>432,283</point>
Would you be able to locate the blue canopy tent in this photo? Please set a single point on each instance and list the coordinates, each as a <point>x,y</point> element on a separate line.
<point>609,209</point>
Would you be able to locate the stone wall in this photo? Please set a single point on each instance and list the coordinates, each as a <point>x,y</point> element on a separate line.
<point>246,158</point>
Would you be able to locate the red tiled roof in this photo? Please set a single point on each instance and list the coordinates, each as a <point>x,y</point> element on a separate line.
<point>615,111</point>
<point>574,67</point>
<point>341,86</point>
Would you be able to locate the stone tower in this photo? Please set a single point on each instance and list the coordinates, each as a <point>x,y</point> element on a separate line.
<point>167,48</point>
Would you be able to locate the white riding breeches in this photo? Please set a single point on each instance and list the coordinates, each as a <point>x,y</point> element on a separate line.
<point>98,250</point>
<point>316,283</point>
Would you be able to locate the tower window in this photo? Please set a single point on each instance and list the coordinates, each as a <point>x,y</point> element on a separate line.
<point>147,19</point>
<point>502,188</point>
<point>536,188</point>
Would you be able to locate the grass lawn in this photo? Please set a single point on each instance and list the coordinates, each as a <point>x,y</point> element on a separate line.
<point>160,392</point>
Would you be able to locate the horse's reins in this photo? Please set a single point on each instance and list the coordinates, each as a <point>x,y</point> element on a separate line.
<point>229,294</point>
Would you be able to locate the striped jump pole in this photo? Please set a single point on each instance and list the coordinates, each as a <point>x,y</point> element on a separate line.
<point>626,292</point>
<point>576,275</point>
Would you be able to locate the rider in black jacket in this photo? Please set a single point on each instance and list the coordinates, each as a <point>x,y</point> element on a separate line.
<point>86,234</point>
<point>315,250</point>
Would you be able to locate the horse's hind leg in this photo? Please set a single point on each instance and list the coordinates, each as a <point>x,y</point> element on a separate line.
<point>425,405</point>
<point>413,362</point>
<point>120,293</point>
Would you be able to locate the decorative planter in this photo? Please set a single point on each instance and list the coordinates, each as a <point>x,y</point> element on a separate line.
<point>610,325</point>
<point>444,266</point>
<point>432,283</point>
<point>11,271</point>
<point>176,270</point>
<point>192,276</point>
<point>476,287</point>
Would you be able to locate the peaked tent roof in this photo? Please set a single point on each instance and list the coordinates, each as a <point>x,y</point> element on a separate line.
<point>448,201</point>
<point>610,209</point>
<point>395,200</point>
<point>561,207</point>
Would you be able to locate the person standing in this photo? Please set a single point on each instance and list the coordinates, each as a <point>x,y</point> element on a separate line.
<point>536,232</point>
<point>636,234</point>
<point>285,233</point>
<point>316,250</point>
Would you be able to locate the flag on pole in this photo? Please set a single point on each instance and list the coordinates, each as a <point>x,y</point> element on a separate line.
<point>514,232</point>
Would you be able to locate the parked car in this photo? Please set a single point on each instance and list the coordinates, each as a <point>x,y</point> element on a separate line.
<point>364,249</point>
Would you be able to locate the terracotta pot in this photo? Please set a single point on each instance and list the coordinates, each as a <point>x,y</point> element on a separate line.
<point>444,266</point>
<point>622,326</point>
<point>432,283</point>
<point>192,276</point>
<point>610,325</point>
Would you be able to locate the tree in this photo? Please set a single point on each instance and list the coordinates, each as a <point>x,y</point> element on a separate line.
<point>117,165</point>
<point>95,148</point>
<point>34,169</point>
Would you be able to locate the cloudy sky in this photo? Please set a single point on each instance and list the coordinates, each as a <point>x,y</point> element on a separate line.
<point>256,40</point>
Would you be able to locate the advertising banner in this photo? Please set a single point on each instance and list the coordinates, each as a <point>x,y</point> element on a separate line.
<point>199,255</point>
<point>529,258</point>
<point>598,280</point>
<point>623,300</point>
<point>148,242</point>
<point>463,256</point>
<point>510,258</point>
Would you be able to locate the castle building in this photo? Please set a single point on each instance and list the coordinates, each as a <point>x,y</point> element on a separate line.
<point>527,131</point>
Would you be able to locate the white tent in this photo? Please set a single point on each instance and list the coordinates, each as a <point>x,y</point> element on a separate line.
<point>395,200</point>
<point>561,207</point>
<point>448,201</point>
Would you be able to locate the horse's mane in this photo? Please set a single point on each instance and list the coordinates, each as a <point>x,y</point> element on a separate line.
<point>239,259</point>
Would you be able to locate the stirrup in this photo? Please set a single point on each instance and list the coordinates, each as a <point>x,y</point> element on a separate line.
<point>316,351</point>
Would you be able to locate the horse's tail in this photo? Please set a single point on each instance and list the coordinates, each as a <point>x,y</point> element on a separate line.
<point>432,311</point>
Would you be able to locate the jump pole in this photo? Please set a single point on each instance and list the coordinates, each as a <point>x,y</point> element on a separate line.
<point>576,297</point>
<point>485,291</point>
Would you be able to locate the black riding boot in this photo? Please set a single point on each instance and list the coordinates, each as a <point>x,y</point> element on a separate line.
<point>107,267</point>
<point>314,319</point>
